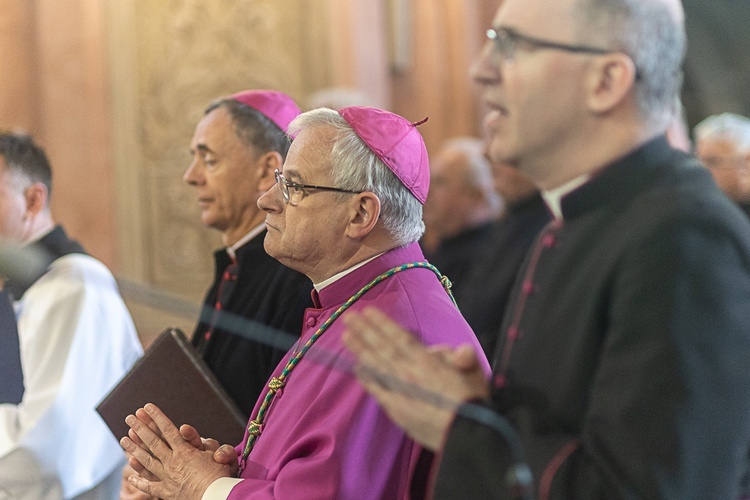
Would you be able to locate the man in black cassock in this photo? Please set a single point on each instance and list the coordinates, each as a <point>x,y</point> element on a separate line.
<point>621,367</point>
<point>254,308</point>
<point>236,147</point>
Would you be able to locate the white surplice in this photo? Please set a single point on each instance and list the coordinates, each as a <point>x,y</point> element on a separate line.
<point>77,340</point>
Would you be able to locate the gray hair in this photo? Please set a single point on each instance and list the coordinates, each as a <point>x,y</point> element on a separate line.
<point>653,35</point>
<point>730,126</point>
<point>479,174</point>
<point>354,166</point>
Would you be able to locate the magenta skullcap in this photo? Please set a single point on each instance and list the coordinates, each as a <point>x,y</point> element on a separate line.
<point>276,106</point>
<point>397,142</point>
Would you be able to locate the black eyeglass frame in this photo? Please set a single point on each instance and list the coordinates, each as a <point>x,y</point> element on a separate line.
<point>284,185</point>
<point>502,36</point>
<point>506,41</point>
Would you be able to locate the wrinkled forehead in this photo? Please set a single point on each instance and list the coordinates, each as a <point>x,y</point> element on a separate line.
<point>213,126</point>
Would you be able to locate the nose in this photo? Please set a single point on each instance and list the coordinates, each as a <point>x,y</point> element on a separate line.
<point>485,70</point>
<point>194,173</point>
<point>271,201</point>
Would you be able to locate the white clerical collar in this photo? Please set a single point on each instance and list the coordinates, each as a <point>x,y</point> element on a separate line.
<point>553,197</point>
<point>319,286</point>
<point>232,250</point>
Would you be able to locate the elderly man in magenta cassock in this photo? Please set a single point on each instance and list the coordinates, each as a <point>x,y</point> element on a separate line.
<point>346,212</point>
<point>621,366</point>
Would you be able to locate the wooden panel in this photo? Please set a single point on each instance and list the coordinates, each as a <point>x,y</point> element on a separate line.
<point>18,91</point>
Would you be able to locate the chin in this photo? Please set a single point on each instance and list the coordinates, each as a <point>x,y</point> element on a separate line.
<point>269,246</point>
<point>211,222</point>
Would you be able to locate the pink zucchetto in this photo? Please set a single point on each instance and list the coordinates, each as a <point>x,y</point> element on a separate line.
<point>276,106</point>
<point>396,142</point>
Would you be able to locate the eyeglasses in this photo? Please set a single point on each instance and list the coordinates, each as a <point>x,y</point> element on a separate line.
<point>293,191</point>
<point>508,41</point>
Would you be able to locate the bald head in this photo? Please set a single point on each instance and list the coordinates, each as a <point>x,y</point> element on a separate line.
<point>462,195</point>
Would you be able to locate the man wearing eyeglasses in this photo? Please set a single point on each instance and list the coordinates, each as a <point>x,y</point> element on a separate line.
<point>346,212</point>
<point>722,143</point>
<point>620,370</point>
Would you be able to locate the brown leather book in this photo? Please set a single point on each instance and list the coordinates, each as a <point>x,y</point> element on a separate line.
<point>172,375</point>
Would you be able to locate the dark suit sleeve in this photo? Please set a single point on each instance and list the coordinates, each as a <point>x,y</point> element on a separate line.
<point>667,415</point>
<point>11,373</point>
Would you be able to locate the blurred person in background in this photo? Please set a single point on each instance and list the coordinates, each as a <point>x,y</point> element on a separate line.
<point>461,207</point>
<point>722,143</point>
<point>483,296</point>
<point>76,341</point>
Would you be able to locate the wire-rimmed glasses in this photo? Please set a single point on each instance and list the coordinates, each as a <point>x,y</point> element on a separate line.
<point>294,191</point>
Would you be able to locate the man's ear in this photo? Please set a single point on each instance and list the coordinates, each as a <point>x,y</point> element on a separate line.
<point>364,216</point>
<point>267,163</point>
<point>36,196</point>
<point>611,79</point>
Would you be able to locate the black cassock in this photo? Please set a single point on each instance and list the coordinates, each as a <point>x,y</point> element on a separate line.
<point>455,257</point>
<point>622,361</point>
<point>266,298</point>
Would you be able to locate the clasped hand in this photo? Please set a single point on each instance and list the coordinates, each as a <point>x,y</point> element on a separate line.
<point>171,462</point>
